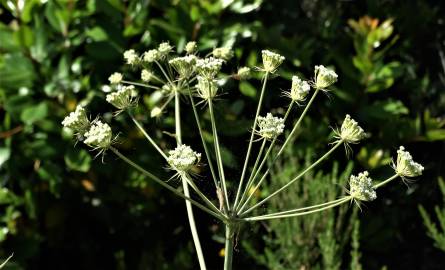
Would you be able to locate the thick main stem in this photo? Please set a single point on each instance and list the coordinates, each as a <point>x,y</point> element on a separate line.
<point>228,249</point>
<point>188,205</point>
<point>249,148</point>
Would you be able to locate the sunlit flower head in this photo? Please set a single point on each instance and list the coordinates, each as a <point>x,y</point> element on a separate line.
<point>406,166</point>
<point>360,187</point>
<point>191,47</point>
<point>270,126</point>
<point>122,98</point>
<point>324,77</point>
<point>77,121</point>
<point>185,66</point>
<point>131,57</point>
<point>183,158</point>
<point>99,135</point>
<point>224,53</point>
<point>209,67</point>
<point>299,90</point>
<point>271,60</point>
<point>115,78</point>
<point>152,56</point>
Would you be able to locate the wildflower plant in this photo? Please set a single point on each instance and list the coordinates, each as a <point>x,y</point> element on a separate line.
<point>191,78</point>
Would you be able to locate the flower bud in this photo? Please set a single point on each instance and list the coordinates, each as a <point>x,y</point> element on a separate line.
<point>271,60</point>
<point>350,131</point>
<point>406,166</point>
<point>122,98</point>
<point>324,77</point>
<point>209,67</point>
<point>155,112</point>
<point>270,126</point>
<point>224,53</point>
<point>164,49</point>
<point>146,75</point>
<point>152,56</point>
<point>207,88</point>
<point>243,73</point>
<point>191,47</point>
<point>299,90</point>
<point>115,78</point>
<point>360,187</point>
<point>183,158</point>
<point>185,66</point>
<point>77,121</point>
<point>99,135</point>
<point>131,57</point>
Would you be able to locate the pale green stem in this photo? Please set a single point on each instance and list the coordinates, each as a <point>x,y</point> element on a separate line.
<point>340,142</point>
<point>228,249</point>
<point>6,261</point>
<point>165,74</point>
<point>249,148</point>
<point>258,218</point>
<point>204,144</point>
<point>147,136</point>
<point>296,210</point>
<point>252,179</point>
<point>289,137</point>
<point>188,205</point>
<point>186,177</point>
<point>255,166</point>
<point>386,181</point>
<point>142,85</point>
<point>218,154</point>
<point>165,185</point>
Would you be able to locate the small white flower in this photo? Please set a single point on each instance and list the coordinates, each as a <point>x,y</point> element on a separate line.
<point>155,112</point>
<point>99,135</point>
<point>115,78</point>
<point>164,49</point>
<point>152,56</point>
<point>324,77</point>
<point>146,75</point>
<point>131,57</point>
<point>270,126</point>
<point>271,60</point>
<point>209,67</point>
<point>406,166</point>
<point>224,53</point>
<point>243,73</point>
<point>191,47</point>
<point>299,90</point>
<point>185,66</point>
<point>183,158</point>
<point>350,131</point>
<point>206,88</point>
<point>77,120</point>
<point>122,98</point>
<point>360,187</point>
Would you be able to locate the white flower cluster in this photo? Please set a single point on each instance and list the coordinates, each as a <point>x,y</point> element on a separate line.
<point>270,126</point>
<point>185,66</point>
<point>115,78</point>
<point>99,135</point>
<point>146,75</point>
<point>350,131</point>
<point>183,158</point>
<point>299,89</point>
<point>360,187</point>
<point>224,53</point>
<point>406,166</point>
<point>77,120</point>
<point>191,47</point>
<point>209,67</point>
<point>206,88</point>
<point>131,57</point>
<point>151,56</point>
<point>271,60</point>
<point>243,73</point>
<point>164,49</point>
<point>324,77</point>
<point>122,98</point>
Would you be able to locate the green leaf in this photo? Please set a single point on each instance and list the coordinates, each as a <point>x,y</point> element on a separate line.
<point>5,154</point>
<point>435,135</point>
<point>16,71</point>
<point>383,77</point>
<point>34,113</point>
<point>97,34</point>
<point>78,160</point>
<point>247,89</point>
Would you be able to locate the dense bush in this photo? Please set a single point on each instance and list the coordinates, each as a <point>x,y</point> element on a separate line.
<point>60,210</point>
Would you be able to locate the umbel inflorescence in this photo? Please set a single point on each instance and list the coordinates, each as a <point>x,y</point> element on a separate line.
<point>189,80</point>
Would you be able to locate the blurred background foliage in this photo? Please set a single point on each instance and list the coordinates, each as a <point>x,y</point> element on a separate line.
<point>61,209</point>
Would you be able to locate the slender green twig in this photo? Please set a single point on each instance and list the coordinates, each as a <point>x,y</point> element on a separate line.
<point>147,136</point>
<point>340,142</point>
<point>249,148</point>
<point>228,249</point>
<point>165,185</point>
<point>386,181</point>
<point>142,85</point>
<point>258,218</point>
<point>204,144</point>
<point>188,205</point>
<point>187,178</point>
<point>218,155</point>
